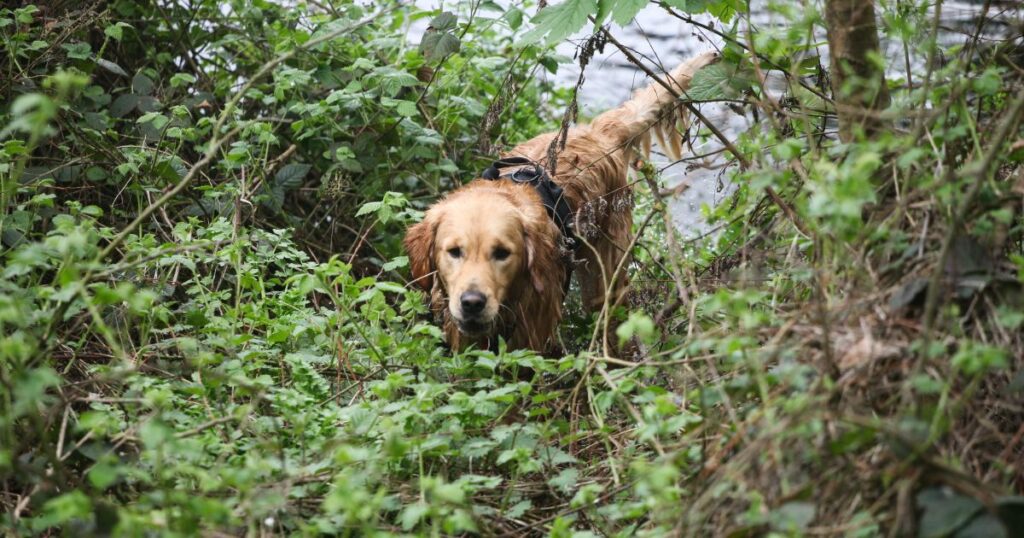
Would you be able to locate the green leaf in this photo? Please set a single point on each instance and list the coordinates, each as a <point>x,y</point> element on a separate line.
<point>639,325</point>
<point>603,8</point>
<point>400,261</point>
<point>290,176</point>
<point>179,80</point>
<point>116,31</point>
<point>437,45</point>
<point>30,389</point>
<point>124,104</point>
<point>58,510</point>
<point>519,509</point>
<point>983,526</point>
<point>78,51</point>
<point>103,475</point>
<point>406,108</point>
<point>24,15</point>
<point>157,119</point>
<point>412,514</point>
<point>793,517</point>
<point>148,104</point>
<point>92,211</point>
<point>444,22</point>
<point>1011,508</point>
<point>369,207</point>
<point>555,23</point>
<point>392,80</point>
<point>142,85</point>
<point>155,434</point>
<point>988,83</point>
<point>389,287</point>
<point>514,18</point>
<point>723,9</point>
<point>719,81</point>
<point>565,480</point>
<point>944,512</point>
<point>111,66</point>
<point>623,11</point>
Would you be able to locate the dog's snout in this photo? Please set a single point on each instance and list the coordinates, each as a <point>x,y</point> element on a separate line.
<point>473,302</point>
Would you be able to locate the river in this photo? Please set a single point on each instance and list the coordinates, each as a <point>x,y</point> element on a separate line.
<point>665,41</point>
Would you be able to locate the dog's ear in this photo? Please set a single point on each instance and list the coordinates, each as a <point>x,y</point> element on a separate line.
<point>419,244</point>
<point>543,260</point>
<point>543,297</point>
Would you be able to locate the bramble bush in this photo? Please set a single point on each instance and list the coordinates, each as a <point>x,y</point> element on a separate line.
<point>206,326</point>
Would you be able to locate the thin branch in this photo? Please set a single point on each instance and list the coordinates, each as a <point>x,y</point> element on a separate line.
<point>216,141</point>
<point>729,146</point>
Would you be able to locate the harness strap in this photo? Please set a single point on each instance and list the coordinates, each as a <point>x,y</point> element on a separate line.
<point>552,197</point>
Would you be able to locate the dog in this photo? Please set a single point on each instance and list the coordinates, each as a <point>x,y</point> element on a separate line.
<point>494,255</point>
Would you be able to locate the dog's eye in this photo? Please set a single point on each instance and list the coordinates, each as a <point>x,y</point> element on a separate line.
<point>455,252</point>
<point>500,253</point>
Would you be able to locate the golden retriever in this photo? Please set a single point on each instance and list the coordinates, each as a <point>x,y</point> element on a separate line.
<point>491,257</point>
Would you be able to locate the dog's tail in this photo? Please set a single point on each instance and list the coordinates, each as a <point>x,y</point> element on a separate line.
<point>653,110</point>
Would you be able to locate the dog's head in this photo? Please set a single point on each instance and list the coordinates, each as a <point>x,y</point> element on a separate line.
<point>485,245</point>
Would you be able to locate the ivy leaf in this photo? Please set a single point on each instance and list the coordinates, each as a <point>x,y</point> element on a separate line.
<point>290,176</point>
<point>555,23</point>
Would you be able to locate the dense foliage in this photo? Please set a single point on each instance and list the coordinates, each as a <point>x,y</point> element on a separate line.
<point>205,326</point>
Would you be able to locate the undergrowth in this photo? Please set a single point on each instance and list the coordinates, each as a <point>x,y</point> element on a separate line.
<point>206,325</point>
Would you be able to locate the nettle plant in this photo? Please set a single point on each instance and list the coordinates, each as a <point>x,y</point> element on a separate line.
<point>205,325</point>
<point>199,368</point>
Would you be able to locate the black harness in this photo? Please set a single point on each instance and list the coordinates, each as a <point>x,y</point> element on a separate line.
<point>551,196</point>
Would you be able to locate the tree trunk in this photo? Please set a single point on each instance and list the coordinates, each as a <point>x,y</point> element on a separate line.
<point>858,84</point>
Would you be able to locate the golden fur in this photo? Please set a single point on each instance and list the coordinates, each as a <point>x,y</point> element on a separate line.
<point>489,255</point>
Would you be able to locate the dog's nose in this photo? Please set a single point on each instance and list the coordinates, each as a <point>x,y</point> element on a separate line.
<point>473,302</point>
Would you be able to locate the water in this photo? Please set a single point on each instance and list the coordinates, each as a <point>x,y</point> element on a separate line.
<point>664,41</point>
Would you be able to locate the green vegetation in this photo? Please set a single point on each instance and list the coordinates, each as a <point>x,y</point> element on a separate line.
<point>205,326</point>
